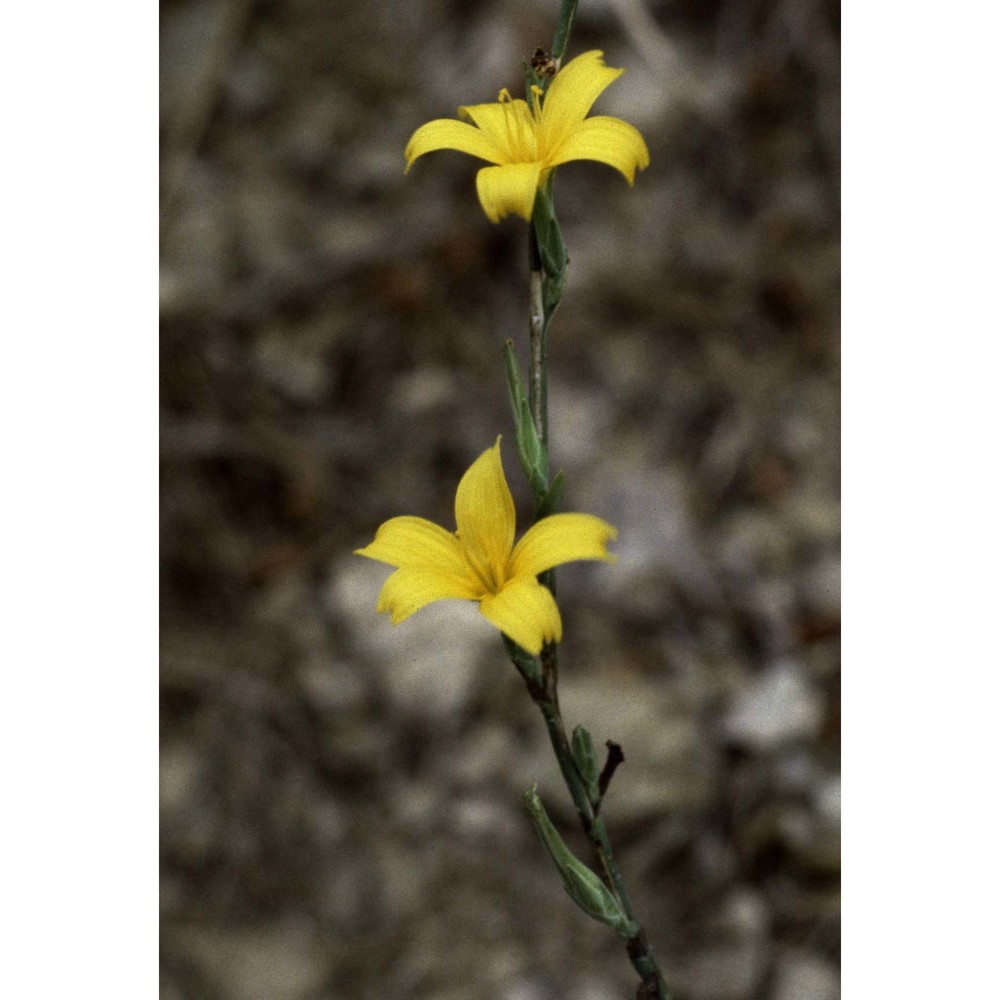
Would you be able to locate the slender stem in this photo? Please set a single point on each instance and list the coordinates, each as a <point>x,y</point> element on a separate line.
<point>538,400</point>
<point>543,684</point>
<point>542,675</point>
<point>640,953</point>
<point>598,838</point>
<point>539,318</point>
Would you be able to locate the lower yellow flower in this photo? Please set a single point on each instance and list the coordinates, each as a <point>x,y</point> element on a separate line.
<point>527,142</point>
<point>480,562</point>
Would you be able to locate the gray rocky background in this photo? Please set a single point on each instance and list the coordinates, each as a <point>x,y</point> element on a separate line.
<point>341,812</point>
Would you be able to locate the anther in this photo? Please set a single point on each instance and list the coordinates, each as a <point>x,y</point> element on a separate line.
<point>536,93</point>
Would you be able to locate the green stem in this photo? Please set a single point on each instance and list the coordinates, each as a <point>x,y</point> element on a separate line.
<point>538,340</point>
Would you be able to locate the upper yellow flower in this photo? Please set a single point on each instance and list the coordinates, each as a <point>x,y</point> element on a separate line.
<point>479,561</point>
<point>526,143</point>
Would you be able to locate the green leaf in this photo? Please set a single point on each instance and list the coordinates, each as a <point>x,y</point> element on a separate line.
<point>530,452</point>
<point>583,885</point>
<point>548,236</point>
<point>566,12</point>
<point>585,758</point>
<point>549,502</point>
<point>528,666</point>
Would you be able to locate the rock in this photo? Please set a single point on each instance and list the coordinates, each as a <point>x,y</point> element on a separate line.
<point>278,962</point>
<point>663,767</point>
<point>579,422</point>
<point>483,819</point>
<point>753,541</point>
<point>292,358</point>
<point>189,39</point>
<point>486,756</point>
<point>424,390</point>
<point>775,708</point>
<point>733,964</point>
<point>657,535</point>
<point>330,685</point>
<point>820,587</point>
<point>801,976</point>
<point>827,798</point>
<point>181,773</point>
<point>430,665</point>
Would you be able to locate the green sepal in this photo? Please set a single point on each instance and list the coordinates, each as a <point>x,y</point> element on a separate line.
<point>549,502</point>
<point>554,257</point>
<point>527,665</point>
<point>583,885</point>
<point>530,452</point>
<point>552,290</point>
<point>548,250</point>
<point>548,236</point>
<point>585,758</point>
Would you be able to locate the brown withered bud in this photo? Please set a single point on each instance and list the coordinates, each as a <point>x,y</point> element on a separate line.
<point>543,64</point>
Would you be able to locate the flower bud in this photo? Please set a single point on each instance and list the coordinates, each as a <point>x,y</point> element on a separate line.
<point>583,885</point>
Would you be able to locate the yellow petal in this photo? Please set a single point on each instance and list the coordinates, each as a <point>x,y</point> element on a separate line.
<point>559,539</point>
<point>484,513</point>
<point>446,133</point>
<point>408,590</point>
<point>607,140</point>
<point>416,543</point>
<point>572,94</point>
<point>508,190</point>
<point>509,126</point>
<point>526,612</point>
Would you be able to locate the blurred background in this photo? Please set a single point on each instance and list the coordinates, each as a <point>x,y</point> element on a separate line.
<point>341,800</point>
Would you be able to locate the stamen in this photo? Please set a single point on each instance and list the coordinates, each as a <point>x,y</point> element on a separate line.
<point>536,104</point>
<point>485,572</point>
<point>519,135</point>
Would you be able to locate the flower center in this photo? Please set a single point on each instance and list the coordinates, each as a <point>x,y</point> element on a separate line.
<point>491,576</point>
<point>519,130</point>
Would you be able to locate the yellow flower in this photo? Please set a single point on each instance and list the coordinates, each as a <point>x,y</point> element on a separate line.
<point>527,143</point>
<point>480,562</point>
